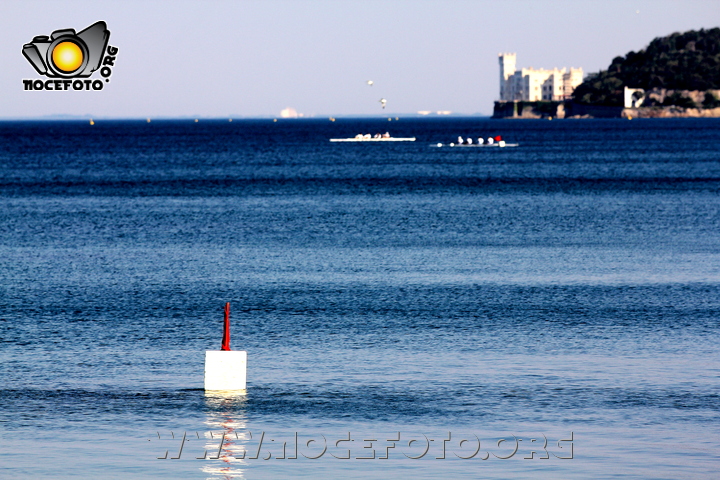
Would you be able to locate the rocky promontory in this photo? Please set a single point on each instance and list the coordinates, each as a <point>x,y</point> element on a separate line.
<point>675,76</point>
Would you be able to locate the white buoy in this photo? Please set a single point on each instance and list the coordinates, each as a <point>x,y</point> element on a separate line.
<point>225,369</point>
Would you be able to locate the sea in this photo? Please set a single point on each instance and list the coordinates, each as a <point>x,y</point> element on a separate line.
<point>409,310</point>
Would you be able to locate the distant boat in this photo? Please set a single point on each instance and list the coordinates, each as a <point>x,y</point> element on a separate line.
<point>377,138</point>
<point>500,144</point>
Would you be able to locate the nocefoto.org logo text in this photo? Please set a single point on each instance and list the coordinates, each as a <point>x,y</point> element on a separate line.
<point>68,58</point>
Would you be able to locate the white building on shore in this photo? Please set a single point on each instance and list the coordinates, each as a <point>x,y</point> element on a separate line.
<point>534,85</point>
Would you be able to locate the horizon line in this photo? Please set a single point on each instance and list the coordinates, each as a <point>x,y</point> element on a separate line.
<point>393,117</point>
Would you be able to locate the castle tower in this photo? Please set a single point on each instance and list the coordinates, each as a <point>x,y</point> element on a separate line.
<point>507,63</point>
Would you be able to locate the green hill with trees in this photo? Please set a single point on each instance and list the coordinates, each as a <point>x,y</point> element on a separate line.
<point>687,61</point>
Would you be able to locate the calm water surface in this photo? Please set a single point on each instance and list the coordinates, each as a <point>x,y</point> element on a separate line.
<point>396,300</point>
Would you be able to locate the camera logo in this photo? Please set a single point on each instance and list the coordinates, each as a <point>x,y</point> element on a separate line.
<point>66,55</point>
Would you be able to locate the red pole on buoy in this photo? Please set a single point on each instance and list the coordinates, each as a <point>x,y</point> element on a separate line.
<point>226,331</point>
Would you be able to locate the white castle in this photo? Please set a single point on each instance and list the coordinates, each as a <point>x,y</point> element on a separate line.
<point>534,85</point>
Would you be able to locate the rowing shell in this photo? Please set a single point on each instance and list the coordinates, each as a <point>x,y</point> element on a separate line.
<point>391,139</point>
<point>484,145</point>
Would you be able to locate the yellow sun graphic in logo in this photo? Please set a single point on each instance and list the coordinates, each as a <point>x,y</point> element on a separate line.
<point>67,56</point>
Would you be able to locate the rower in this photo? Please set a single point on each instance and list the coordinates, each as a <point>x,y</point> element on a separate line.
<point>490,140</point>
<point>481,140</point>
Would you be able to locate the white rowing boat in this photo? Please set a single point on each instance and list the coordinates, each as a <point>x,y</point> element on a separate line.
<point>476,145</point>
<point>386,139</point>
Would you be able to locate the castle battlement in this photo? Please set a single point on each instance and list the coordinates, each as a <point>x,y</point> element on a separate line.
<point>532,84</point>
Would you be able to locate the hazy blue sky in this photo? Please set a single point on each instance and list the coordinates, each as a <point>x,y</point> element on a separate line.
<point>254,58</point>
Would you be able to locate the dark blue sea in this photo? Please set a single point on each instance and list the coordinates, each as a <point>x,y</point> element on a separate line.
<point>550,311</point>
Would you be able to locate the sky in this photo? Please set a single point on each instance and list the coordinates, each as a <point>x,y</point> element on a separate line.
<point>254,58</point>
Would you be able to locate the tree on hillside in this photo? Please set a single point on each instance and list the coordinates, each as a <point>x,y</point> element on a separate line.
<point>681,61</point>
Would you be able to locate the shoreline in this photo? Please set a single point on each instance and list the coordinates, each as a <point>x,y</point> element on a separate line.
<point>571,110</point>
